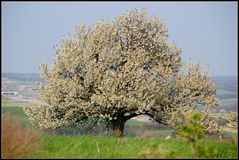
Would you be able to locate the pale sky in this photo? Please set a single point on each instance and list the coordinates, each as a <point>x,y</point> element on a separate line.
<point>206,31</point>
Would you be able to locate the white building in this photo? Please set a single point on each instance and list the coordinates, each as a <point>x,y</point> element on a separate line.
<point>9,93</point>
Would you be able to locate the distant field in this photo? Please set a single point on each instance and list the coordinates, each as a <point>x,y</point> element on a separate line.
<point>133,122</point>
<point>30,77</point>
<point>16,104</point>
<point>223,94</point>
<point>8,102</point>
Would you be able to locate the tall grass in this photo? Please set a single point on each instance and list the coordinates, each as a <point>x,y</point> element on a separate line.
<point>18,141</point>
<point>86,146</point>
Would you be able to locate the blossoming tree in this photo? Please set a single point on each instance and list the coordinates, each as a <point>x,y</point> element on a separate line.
<point>118,70</point>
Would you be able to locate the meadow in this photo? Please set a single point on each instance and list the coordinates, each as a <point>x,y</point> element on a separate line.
<point>141,140</point>
<point>112,147</point>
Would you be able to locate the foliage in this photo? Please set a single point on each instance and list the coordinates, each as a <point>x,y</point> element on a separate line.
<point>232,118</point>
<point>54,118</point>
<point>193,131</point>
<point>118,70</point>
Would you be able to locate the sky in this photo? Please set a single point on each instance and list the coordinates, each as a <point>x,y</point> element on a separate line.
<point>206,31</point>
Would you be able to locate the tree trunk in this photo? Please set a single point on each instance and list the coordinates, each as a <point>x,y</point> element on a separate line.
<point>118,127</point>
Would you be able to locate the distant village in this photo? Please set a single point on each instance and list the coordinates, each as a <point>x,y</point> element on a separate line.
<point>18,91</point>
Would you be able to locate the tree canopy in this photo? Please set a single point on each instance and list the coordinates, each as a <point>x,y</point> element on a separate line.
<point>118,70</point>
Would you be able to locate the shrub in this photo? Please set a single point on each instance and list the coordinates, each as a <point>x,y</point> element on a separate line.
<point>18,142</point>
<point>193,131</point>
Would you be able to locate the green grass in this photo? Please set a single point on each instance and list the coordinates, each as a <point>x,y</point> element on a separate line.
<point>111,147</point>
<point>15,109</point>
<point>17,114</point>
<point>133,122</point>
<point>103,147</point>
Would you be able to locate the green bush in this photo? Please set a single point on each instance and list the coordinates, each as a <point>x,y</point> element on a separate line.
<point>193,132</point>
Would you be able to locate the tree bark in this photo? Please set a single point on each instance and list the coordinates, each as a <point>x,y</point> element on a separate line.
<point>118,127</point>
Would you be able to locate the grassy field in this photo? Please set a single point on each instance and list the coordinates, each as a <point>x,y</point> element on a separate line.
<point>141,145</point>
<point>7,102</point>
<point>111,147</point>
